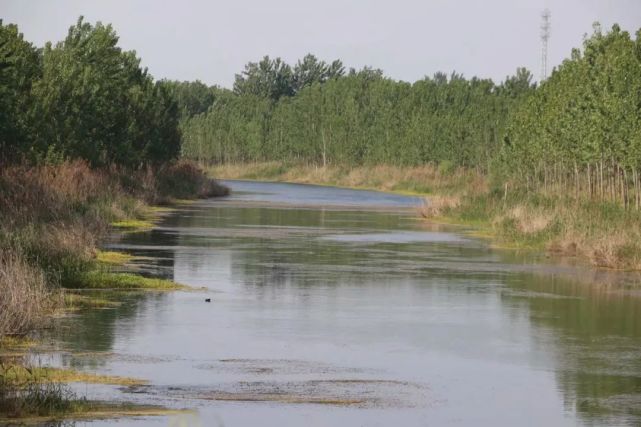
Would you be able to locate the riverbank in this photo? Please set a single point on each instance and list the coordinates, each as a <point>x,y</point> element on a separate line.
<point>52,218</point>
<point>420,180</point>
<point>598,233</point>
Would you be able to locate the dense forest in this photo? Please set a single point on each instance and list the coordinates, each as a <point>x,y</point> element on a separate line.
<point>579,129</point>
<point>315,112</point>
<point>83,98</point>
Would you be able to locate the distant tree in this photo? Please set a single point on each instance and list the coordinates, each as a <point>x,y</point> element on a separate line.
<point>310,70</point>
<point>519,84</point>
<point>192,97</point>
<point>367,73</point>
<point>269,78</point>
<point>335,70</point>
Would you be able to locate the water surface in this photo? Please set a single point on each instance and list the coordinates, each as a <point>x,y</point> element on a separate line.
<point>340,307</point>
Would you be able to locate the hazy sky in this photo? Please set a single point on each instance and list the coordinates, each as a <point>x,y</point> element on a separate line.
<point>408,39</point>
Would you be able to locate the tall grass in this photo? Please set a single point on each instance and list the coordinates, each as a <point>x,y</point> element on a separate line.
<point>426,179</point>
<point>52,217</point>
<point>602,234</point>
<point>25,299</point>
<point>51,220</point>
<point>33,397</point>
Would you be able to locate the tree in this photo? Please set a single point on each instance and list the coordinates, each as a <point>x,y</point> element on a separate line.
<point>19,67</point>
<point>269,78</point>
<point>192,97</point>
<point>311,70</point>
<point>96,102</point>
<point>519,84</point>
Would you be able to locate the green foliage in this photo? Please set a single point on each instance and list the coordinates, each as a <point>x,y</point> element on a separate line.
<point>193,98</point>
<point>97,279</point>
<point>269,78</point>
<point>274,79</point>
<point>84,98</point>
<point>582,128</point>
<point>19,68</point>
<point>310,70</point>
<point>579,132</point>
<point>358,118</point>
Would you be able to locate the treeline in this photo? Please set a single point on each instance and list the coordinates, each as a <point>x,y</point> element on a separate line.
<point>317,113</point>
<point>578,130</point>
<point>83,97</point>
<point>581,130</point>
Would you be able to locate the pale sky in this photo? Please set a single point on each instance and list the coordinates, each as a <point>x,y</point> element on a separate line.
<point>408,39</point>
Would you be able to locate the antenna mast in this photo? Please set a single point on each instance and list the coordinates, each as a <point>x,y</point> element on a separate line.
<point>545,37</point>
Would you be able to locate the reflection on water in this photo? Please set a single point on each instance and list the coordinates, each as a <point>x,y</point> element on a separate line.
<point>336,307</point>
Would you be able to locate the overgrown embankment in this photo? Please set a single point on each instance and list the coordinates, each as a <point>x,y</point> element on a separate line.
<point>52,218</point>
<point>602,233</point>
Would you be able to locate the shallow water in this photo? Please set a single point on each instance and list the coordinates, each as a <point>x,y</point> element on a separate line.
<point>339,307</point>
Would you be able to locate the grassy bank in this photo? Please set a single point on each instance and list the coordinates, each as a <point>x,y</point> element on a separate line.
<point>52,218</point>
<point>418,180</point>
<point>599,233</point>
<point>561,222</point>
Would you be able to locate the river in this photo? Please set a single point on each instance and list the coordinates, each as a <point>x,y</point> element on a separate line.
<point>335,307</point>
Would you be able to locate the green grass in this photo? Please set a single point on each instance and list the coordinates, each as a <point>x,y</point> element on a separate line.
<point>417,180</point>
<point>123,281</point>
<point>39,403</point>
<point>19,375</point>
<point>114,258</point>
<point>602,234</point>
<point>78,302</point>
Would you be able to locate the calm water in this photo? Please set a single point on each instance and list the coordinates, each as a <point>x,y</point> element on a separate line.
<point>335,307</point>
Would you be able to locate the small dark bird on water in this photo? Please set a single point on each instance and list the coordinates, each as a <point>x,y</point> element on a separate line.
<point>207,299</point>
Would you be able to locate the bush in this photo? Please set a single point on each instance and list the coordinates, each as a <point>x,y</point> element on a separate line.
<point>184,179</point>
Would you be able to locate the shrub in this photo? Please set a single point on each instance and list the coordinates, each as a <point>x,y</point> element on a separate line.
<point>24,296</point>
<point>184,179</point>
